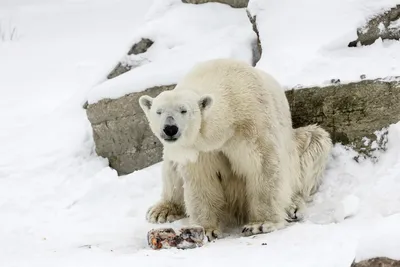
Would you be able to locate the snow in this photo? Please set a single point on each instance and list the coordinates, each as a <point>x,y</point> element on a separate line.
<point>395,25</point>
<point>346,208</point>
<point>381,27</point>
<point>209,31</point>
<point>61,205</point>
<point>313,37</point>
<point>382,234</point>
<point>79,38</point>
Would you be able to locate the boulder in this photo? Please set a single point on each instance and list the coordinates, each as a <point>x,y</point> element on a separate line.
<point>351,113</point>
<point>377,262</point>
<point>121,132</point>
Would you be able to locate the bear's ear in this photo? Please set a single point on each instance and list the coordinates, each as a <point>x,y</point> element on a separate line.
<point>205,102</point>
<point>145,102</point>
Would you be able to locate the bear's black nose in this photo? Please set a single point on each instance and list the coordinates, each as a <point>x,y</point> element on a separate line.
<point>170,130</point>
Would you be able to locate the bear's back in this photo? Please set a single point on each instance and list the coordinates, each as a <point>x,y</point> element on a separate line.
<point>237,89</point>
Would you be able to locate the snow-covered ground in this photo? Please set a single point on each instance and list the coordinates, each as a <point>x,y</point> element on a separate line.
<point>60,205</point>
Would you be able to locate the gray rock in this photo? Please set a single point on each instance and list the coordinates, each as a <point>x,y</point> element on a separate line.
<point>350,112</point>
<point>256,45</point>
<point>121,132</point>
<point>141,47</point>
<point>377,262</point>
<point>138,48</point>
<point>232,3</point>
<point>385,26</point>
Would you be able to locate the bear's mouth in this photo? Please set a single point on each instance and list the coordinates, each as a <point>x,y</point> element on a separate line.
<point>170,139</point>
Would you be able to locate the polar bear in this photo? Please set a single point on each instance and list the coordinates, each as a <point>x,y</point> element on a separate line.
<point>230,149</point>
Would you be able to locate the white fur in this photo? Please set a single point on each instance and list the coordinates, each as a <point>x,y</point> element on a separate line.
<point>237,153</point>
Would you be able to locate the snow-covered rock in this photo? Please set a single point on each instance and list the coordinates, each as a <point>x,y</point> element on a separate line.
<point>385,25</point>
<point>183,34</point>
<point>126,64</point>
<point>232,3</point>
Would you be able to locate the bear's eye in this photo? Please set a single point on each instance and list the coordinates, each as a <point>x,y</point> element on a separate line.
<point>158,112</point>
<point>183,111</point>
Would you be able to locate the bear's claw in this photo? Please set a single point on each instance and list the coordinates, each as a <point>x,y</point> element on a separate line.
<point>212,234</point>
<point>261,228</point>
<point>294,215</point>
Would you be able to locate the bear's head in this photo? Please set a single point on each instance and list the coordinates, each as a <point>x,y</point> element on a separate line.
<point>175,117</point>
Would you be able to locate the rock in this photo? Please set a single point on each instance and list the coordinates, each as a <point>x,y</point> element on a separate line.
<point>232,3</point>
<point>351,112</point>
<point>256,45</point>
<point>121,132</point>
<point>385,26</point>
<point>138,48</point>
<point>141,47</point>
<point>377,262</point>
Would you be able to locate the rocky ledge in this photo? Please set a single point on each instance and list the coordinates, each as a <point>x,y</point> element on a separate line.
<point>351,113</point>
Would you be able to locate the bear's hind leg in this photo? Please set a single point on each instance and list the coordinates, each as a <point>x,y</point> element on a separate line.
<point>171,207</point>
<point>314,146</point>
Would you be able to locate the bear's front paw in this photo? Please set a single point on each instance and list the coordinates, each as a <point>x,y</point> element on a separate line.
<point>212,234</point>
<point>165,212</point>
<point>261,228</point>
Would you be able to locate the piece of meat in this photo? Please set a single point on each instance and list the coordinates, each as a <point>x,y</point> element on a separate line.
<point>185,238</point>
